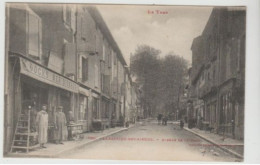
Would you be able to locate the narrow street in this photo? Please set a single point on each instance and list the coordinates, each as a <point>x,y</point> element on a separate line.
<point>79,76</point>
<point>150,141</point>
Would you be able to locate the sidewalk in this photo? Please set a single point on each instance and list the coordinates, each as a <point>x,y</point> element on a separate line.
<point>232,146</point>
<point>54,150</point>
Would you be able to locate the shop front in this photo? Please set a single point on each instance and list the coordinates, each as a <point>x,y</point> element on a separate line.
<point>105,112</point>
<point>35,86</point>
<point>84,114</point>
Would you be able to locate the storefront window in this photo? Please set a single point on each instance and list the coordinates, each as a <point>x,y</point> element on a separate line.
<point>95,108</point>
<point>105,109</point>
<point>83,107</point>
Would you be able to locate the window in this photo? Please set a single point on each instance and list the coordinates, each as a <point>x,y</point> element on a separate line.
<point>34,35</point>
<point>84,69</point>
<point>109,58</point>
<point>207,113</point>
<point>83,39</point>
<point>227,108</point>
<point>228,60</point>
<point>115,58</point>
<point>96,75</point>
<point>83,107</point>
<point>104,50</point>
<point>115,63</point>
<point>67,15</point>
<point>213,114</point>
<point>105,109</point>
<point>238,54</point>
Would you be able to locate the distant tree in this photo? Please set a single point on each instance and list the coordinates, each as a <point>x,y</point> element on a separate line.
<point>173,69</point>
<point>159,79</point>
<point>145,65</point>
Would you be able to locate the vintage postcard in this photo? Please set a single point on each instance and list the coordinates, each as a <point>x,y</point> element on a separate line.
<point>124,82</point>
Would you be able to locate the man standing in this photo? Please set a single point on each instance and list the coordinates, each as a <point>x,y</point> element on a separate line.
<point>42,126</point>
<point>159,118</point>
<point>61,132</point>
<point>33,114</point>
<point>165,119</point>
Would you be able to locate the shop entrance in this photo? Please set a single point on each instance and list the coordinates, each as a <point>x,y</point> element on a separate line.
<point>33,95</point>
<point>65,102</point>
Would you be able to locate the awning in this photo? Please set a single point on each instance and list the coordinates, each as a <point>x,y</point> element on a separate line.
<point>47,76</point>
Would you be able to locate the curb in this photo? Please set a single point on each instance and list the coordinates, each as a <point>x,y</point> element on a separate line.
<point>86,143</point>
<point>223,148</point>
<point>56,155</point>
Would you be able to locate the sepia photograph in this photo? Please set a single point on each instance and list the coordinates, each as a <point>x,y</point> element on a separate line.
<point>124,82</point>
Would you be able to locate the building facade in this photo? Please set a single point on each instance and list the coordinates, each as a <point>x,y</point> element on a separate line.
<point>218,72</point>
<point>63,55</point>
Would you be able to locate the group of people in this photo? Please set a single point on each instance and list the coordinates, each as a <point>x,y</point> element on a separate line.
<point>39,123</point>
<point>162,119</point>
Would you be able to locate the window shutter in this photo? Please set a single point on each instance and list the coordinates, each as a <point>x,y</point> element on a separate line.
<point>104,51</point>
<point>33,35</point>
<point>84,69</point>
<point>109,58</point>
<point>96,75</point>
<point>80,68</point>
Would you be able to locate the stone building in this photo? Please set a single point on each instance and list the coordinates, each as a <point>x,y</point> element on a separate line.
<point>63,55</point>
<point>219,63</point>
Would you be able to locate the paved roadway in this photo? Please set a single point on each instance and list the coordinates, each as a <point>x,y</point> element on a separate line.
<point>150,141</point>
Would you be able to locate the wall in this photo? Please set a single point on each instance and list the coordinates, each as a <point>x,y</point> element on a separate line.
<point>17,31</point>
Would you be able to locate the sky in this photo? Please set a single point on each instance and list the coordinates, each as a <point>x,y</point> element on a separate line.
<point>171,31</point>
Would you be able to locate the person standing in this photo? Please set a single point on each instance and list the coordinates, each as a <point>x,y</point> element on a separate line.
<point>159,118</point>
<point>61,132</point>
<point>33,115</point>
<point>165,119</point>
<point>181,124</point>
<point>42,126</point>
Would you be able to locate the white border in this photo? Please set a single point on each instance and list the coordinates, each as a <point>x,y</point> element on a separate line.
<point>252,105</point>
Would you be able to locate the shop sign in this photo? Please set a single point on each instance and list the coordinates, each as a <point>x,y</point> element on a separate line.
<point>42,74</point>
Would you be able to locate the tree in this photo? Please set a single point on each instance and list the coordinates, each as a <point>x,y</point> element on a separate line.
<point>173,69</point>
<point>159,79</point>
<point>145,66</point>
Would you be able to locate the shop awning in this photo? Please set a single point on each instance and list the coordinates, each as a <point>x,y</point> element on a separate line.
<point>47,76</point>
